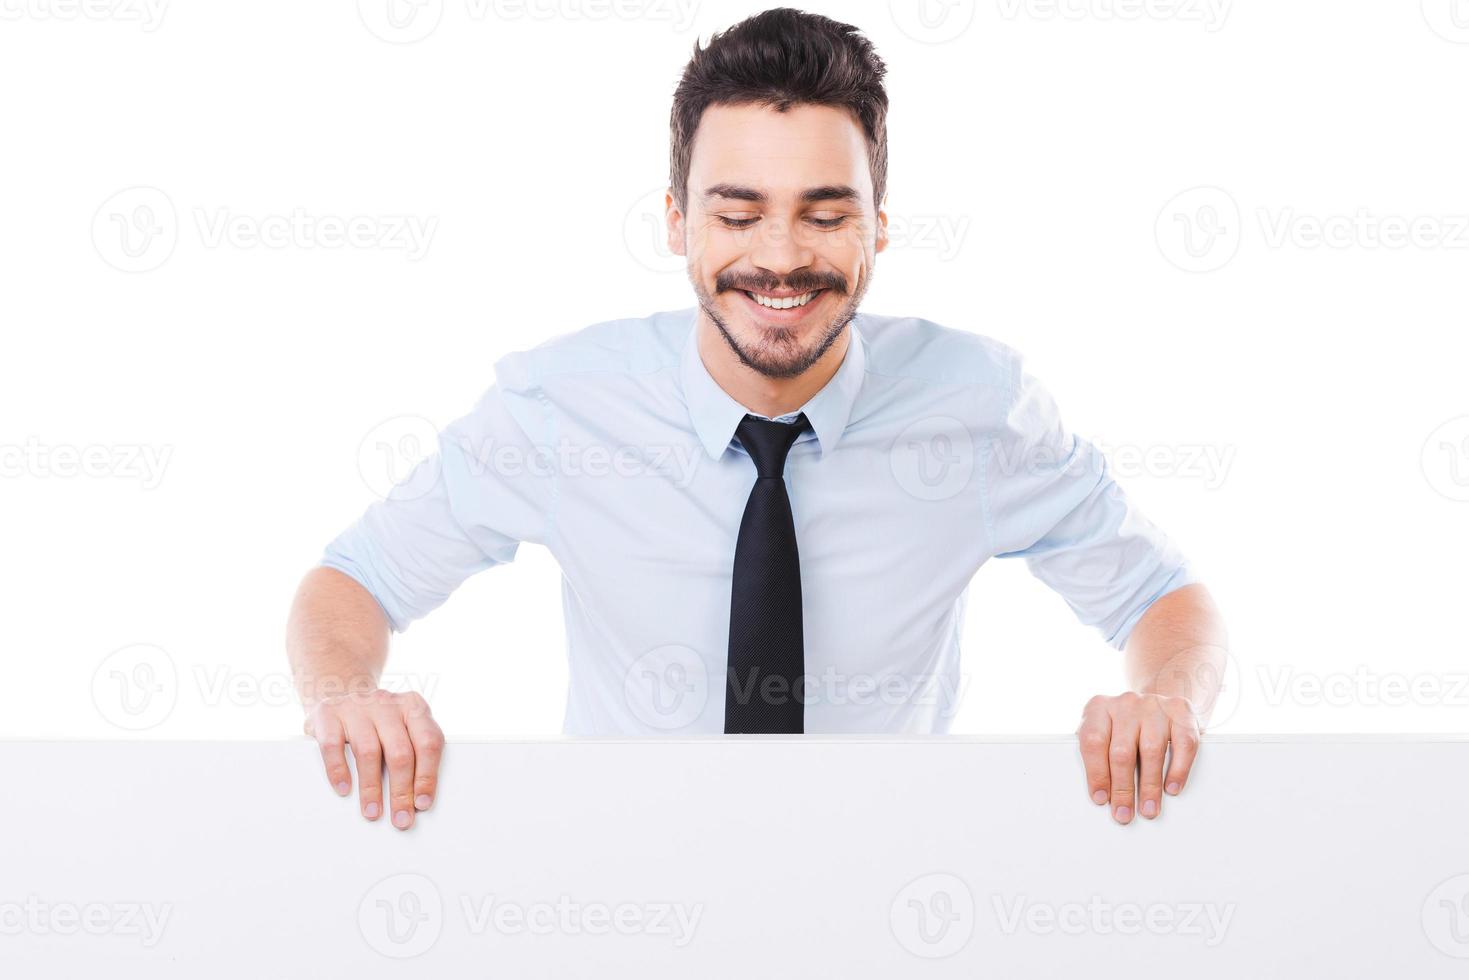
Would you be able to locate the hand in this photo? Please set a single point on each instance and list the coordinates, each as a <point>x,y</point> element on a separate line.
<point>381,726</point>
<point>1129,734</point>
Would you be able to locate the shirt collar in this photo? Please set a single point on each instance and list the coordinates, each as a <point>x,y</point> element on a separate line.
<point>716,415</point>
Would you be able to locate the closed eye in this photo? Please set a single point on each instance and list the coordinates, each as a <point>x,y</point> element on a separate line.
<point>747,222</point>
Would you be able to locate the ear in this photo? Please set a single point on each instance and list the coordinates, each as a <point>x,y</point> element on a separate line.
<point>675,220</point>
<point>882,227</point>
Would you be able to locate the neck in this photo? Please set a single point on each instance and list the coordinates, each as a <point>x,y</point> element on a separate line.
<point>771,397</point>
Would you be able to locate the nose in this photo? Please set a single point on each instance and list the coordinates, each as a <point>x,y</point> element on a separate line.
<point>778,250</point>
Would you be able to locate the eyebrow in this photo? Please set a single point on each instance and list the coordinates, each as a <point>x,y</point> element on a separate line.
<point>739,192</point>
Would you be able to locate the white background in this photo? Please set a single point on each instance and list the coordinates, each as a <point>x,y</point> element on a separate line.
<point>1291,366</point>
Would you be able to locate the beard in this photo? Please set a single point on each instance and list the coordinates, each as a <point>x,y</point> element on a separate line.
<point>777,352</point>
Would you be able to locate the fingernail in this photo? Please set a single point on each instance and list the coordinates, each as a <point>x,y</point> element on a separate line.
<point>343,787</point>
<point>400,818</point>
<point>1124,814</point>
<point>1150,808</point>
<point>372,810</point>
<point>1173,788</point>
<point>1099,797</point>
<point>422,801</point>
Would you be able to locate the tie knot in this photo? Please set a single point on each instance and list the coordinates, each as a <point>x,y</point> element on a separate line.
<point>768,442</point>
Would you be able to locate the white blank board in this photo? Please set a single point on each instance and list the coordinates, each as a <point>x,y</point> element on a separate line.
<point>749,856</point>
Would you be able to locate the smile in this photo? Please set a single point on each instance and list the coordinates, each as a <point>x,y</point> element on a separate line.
<point>782,302</point>
<point>782,310</point>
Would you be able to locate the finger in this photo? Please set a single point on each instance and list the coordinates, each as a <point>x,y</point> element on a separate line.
<point>1095,737</point>
<point>428,749</point>
<point>398,754</point>
<point>1152,748</point>
<point>332,739</point>
<point>1185,747</point>
<point>1122,764</point>
<point>368,754</point>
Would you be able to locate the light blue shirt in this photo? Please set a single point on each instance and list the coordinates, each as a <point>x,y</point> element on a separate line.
<point>931,450</point>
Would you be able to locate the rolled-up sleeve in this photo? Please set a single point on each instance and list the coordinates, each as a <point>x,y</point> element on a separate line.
<point>464,508</point>
<point>1054,502</point>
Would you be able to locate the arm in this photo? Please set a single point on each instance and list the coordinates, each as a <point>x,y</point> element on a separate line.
<point>1058,506</point>
<point>1178,649</point>
<point>336,636</point>
<point>454,515</point>
<point>1175,660</point>
<point>337,644</point>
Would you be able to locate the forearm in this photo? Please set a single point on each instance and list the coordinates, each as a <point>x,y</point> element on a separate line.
<point>1178,649</point>
<point>336,636</point>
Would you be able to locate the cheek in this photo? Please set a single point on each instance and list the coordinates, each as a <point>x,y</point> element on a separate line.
<point>711,257</point>
<point>852,270</point>
<point>846,257</point>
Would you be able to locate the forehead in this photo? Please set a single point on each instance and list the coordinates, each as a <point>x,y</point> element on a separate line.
<point>780,153</point>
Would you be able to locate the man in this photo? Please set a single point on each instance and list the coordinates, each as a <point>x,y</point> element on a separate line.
<point>793,496</point>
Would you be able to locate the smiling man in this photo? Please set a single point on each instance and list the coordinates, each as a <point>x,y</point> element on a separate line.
<point>767,508</point>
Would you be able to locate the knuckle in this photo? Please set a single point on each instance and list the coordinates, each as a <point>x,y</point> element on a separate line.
<point>1152,746</point>
<point>431,740</point>
<point>1121,754</point>
<point>399,757</point>
<point>1093,740</point>
<point>347,714</point>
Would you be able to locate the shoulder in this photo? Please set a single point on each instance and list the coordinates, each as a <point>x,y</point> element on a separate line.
<point>924,351</point>
<point>628,345</point>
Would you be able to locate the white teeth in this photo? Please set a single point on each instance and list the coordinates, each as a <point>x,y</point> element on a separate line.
<point>783,304</point>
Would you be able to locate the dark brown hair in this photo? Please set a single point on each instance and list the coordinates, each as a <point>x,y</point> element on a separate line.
<point>782,58</point>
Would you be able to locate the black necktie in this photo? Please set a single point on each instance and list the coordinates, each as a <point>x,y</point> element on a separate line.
<point>766,660</point>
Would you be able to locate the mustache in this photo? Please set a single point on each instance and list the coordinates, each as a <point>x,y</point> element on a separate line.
<point>770,284</point>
